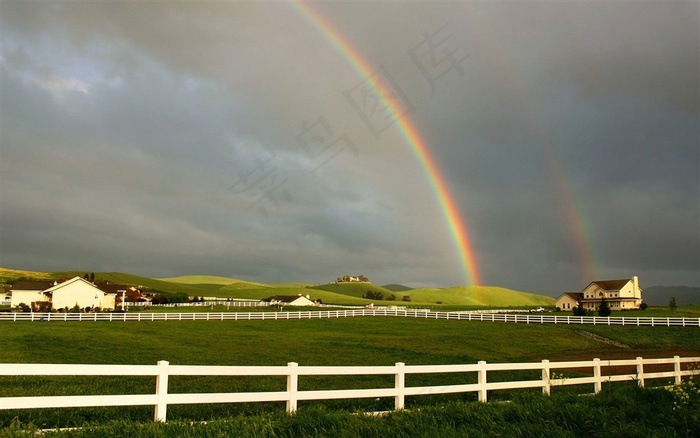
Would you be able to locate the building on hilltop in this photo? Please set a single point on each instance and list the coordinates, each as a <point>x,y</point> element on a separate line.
<point>624,294</point>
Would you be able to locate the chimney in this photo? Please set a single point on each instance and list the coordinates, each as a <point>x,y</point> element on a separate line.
<point>635,285</point>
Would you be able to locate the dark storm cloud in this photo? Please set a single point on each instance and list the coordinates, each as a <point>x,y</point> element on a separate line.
<point>134,134</point>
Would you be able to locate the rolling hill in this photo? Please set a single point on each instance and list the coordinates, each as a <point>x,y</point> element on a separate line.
<point>332,293</point>
<point>478,296</point>
<point>397,287</point>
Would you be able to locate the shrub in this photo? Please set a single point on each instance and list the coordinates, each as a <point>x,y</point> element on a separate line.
<point>374,295</point>
<point>23,307</point>
<point>604,309</point>
<point>579,310</point>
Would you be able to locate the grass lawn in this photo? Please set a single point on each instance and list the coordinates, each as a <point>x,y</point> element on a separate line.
<point>621,411</point>
<point>349,341</point>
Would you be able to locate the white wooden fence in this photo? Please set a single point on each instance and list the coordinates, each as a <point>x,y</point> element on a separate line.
<point>601,371</point>
<point>320,314</point>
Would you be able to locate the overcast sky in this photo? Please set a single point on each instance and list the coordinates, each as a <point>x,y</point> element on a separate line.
<point>236,139</point>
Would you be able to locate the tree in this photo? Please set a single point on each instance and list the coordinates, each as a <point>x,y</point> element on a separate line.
<point>579,310</point>
<point>374,295</point>
<point>604,309</point>
<point>92,277</point>
<point>672,304</point>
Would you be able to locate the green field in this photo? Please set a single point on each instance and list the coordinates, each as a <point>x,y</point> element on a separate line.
<point>351,341</point>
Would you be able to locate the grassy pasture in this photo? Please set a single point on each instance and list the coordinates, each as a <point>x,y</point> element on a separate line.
<point>351,341</point>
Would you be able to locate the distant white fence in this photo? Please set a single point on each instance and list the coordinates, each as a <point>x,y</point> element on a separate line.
<point>237,303</point>
<point>601,371</point>
<point>348,313</point>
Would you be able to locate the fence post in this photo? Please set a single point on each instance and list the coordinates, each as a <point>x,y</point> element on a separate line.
<point>598,385</point>
<point>161,391</point>
<point>546,378</point>
<point>677,369</point>
<point>400,384</point>
<point>481,379</point>
<point>292,385</point>
<point>640,372</point>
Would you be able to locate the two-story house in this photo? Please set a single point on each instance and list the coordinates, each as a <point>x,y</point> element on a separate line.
<point>624,294</point>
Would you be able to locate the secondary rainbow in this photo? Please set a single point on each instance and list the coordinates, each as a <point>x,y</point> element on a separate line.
<point>419,147</point>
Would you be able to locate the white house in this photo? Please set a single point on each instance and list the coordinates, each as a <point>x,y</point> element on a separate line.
<point>568,301</point>
<point>29,292</point>
<point>624,294</point>
<point>78,292</point>
<point>70,293</point>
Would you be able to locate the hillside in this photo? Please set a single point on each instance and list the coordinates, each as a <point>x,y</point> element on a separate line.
<point>397,287</point>
<point>354,289</point>
<point>332,293</point>
<point>478,296</point>
<point>205,279</point>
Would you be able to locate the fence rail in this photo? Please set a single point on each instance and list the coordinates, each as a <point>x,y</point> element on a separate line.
<point>601,371</point>
<point>348,313</point>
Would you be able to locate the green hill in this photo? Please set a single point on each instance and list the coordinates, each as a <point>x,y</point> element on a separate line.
<point>397,287</point>
<point>353,289</point>
<point>202,279</point>
<point>478,296</point>
<point>332,293</point>
<point>8,276</point>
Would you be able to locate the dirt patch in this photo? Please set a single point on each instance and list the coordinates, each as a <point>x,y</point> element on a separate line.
<point>602,339</point>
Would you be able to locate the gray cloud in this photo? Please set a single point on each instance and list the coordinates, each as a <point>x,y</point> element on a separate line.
<point>164,139</point>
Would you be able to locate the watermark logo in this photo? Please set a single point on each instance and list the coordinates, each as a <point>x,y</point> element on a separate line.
<point>379,101</point>
<point>261,184</point>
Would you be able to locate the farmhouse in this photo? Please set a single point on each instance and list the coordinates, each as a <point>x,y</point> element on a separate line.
<point>624,294</point>
<point>28,292</point>
<point>70,293</point>
<point>569,300</point>
<point>290,300</point>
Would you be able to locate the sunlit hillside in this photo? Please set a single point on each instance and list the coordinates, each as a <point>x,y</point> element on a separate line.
<point>479,296</point>
<point>351,293</point>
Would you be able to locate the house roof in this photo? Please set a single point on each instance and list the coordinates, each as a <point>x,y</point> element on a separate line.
<point>113,288</point>
<point>66,283</point>
<point>32,285</point>
<point>576,296</point>
<point>611,284</point>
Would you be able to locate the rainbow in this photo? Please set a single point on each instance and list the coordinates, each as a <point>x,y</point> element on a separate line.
<point>572,207</point>
<point>409,132</point>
